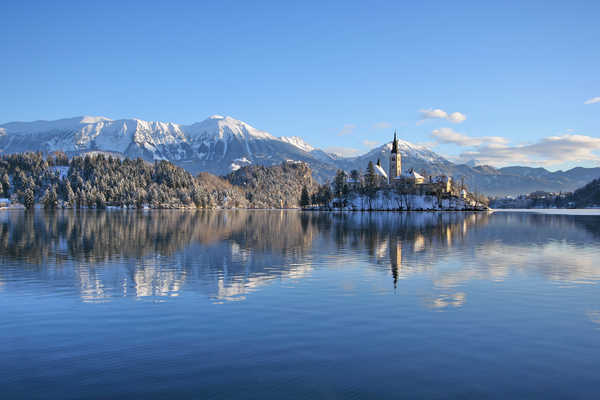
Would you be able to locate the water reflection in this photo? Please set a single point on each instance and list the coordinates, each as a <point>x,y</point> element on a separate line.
<point>228,255</point>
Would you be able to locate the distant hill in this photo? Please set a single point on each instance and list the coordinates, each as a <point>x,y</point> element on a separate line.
<point>222,144</point>
<point>278,186</point>
<point>520,180</point>
<point>482,178</point>
<point>588,195</point>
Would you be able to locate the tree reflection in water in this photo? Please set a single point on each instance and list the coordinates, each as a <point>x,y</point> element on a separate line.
<point>228,254</point>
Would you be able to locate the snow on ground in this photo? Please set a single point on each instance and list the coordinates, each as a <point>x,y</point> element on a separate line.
<point>393,201</point>
<point>239,163</point>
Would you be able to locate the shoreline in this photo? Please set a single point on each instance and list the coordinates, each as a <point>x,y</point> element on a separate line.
<point>332,210</point>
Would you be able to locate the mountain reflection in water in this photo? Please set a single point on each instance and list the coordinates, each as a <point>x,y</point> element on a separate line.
<point>289,304</point>
<point>226,255</point>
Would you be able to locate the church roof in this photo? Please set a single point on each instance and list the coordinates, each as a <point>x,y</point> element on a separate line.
<point>413,174</point>
<point>380,171</point>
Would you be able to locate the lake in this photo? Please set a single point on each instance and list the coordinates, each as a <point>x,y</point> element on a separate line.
<point>290,304</point>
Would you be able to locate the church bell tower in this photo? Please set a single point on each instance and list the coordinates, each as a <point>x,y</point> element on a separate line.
<point>395,160</point>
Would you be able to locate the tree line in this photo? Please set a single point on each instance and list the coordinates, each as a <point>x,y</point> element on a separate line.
<point>588,195</point>
<point>369,185</point>
<point>343,187</point>
<point>100,181</point>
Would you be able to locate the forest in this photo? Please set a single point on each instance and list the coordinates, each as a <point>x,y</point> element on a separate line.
<point>588,195</point>
<point>100,181</point>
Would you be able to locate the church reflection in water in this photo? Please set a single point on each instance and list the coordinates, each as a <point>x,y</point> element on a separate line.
<point>226,255</point>
<point>395,260</point>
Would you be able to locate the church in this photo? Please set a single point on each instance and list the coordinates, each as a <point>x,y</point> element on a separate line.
<point>411,180</point>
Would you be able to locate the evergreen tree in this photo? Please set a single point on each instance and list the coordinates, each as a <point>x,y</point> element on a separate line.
<point>371,184</point>
<point>5,185</point>
<point>81,198</point>
<point>100,201</point>
<point>69,194</point>
<point>346,193</point>
<point>304,197</point>
<point>196,197</point>
<point>28,198</point>
<point>338,183</point>
<point>371,176</point>
<point>50,198</point>
<point>324,195</point>
<point>140,195</point>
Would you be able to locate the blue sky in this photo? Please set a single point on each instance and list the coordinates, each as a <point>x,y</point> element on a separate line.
<point>342,75</point>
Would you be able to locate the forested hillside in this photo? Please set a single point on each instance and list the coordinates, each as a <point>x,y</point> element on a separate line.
<point>589,195</point>
<point>279,186</point>
<point>99,181</point>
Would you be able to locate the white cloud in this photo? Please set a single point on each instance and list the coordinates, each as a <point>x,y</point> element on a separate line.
<point>343,151</point>
<point>382,125</point>
<point>370,143</point>
<point>437,113</point>
<point>448,135</point>
<point>347,130</point>
<point>455,117</point>
<point>593,100</point>
<point>548,151</point>
<point>497,151</point>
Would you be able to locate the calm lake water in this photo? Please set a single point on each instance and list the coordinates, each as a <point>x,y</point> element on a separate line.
<point>285,304</point>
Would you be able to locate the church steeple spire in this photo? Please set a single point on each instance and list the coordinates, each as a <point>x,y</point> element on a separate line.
<point>395,143</point>
<point>395,160</point>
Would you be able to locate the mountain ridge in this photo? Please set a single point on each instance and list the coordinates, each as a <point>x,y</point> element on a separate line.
<point>222,144</point>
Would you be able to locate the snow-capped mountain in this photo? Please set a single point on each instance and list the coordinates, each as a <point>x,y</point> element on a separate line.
<point>212,137</point>
<point>218,144</point>
<point>298,142</point>
<point>130,137</point>
<point>223,144</point>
